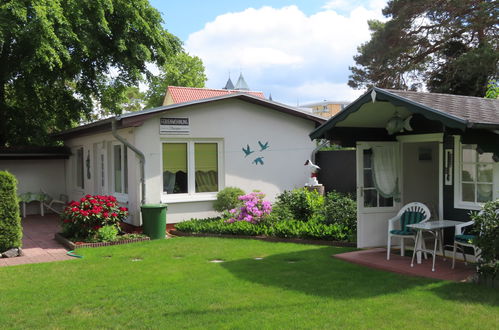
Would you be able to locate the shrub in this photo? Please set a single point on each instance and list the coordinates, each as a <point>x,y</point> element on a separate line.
<point>10,221</point>
<point>341,209</point>
<point>107,234</point>
<point>253,210</point>
<point>83,219</point>
<point>301,204</point>
<point>487,231</point>
<point>228,198</point>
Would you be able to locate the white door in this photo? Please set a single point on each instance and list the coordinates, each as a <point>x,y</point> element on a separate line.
<point>373,210</point>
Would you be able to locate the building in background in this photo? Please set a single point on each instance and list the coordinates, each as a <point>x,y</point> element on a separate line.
<point>325,108</point>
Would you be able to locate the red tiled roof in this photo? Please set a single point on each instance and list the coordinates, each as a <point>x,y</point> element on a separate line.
<point>187,94</point>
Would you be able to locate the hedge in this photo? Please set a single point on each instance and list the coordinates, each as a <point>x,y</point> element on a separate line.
<point>285,228</point>
<point>10,221</point>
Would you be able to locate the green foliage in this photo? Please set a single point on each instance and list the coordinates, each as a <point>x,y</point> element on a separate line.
<point>335,147</point>
<point>134,100</point>
<point>282,228</point>
<point>107,234</point>
<point>227,199</point>
<point>341,209</point>
<point>492,90</point>
<point>180,70</point>
<point>128,236</point>
<point>451,46</point>
<point>10,221</point>
<point>300,204</point>
<point>486,229</point>
<point>299,213</point>
<point>56,58</point>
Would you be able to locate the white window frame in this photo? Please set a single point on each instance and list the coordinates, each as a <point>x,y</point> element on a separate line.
<point>75,168</point>
<point>361,147</point>
<point>121,196</point>
<point>192,195</point>
<point>458,202</point>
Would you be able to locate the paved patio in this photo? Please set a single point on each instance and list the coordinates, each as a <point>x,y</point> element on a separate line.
<point>376,258</point>
<point>38,242</point>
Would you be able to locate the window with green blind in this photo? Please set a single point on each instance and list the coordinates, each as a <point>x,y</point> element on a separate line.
<point>190,167</point>
<point>175,168</point>
<point>206,166</point>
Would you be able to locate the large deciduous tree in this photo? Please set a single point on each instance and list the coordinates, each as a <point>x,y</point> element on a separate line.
<point>60,58</point>
<point>449,46</point>
<point>181,70</point>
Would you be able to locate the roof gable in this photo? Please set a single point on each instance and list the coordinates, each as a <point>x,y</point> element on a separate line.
<point>454,111</point>
<point>133,119</point>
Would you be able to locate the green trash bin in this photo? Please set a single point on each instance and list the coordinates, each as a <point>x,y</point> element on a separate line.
<point>154,220</point>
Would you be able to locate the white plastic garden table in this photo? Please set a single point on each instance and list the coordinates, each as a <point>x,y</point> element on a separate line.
<point>436,229</point>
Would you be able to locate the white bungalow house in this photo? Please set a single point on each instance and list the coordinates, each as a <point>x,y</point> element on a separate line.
<point>182,154</point>
<point>438,149</point>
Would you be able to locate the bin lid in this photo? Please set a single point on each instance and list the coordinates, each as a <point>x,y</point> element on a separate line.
<point>153,206</point>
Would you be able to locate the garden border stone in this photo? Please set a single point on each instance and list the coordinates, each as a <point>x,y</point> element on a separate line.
<point>268,239</point>
<point>72,245</point>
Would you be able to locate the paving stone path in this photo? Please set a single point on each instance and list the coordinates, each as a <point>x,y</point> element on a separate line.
<point>38,242</point>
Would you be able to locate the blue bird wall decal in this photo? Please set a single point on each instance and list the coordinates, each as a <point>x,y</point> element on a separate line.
<point>258,160</point>
<point>263,146</point>
<point>247,151</point>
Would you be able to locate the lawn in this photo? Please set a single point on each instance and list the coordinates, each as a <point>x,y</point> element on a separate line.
<point>173,284</point>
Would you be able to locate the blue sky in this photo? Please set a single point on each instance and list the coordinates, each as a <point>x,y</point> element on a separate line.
<point>299,51</point>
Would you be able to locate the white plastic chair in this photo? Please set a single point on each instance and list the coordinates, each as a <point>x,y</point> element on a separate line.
<point>463,240</point>
<point>56,205</point>
<point>402,233</point>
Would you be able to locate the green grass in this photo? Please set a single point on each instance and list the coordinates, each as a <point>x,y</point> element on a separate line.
<point>172,284</point>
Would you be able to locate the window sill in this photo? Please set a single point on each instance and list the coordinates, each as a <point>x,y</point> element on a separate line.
<point>468,206</point>
<point>185,198</point>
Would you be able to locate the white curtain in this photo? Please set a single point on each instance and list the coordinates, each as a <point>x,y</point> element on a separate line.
<point>385,170</point>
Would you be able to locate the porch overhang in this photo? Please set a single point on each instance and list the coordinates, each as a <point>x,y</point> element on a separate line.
<point>375,116</point>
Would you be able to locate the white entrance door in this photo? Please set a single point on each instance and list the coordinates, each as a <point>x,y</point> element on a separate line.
<point>373,210</point>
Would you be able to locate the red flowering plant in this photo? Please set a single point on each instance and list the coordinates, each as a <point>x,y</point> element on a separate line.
<point>82,220</point>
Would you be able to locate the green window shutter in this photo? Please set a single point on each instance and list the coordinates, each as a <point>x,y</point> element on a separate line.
<point>175,157</point>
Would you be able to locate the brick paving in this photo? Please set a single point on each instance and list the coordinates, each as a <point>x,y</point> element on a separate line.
<point>376,258</point>
<point>38,242</point>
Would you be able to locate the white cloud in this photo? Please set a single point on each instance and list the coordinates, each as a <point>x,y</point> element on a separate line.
<point>285,52</point>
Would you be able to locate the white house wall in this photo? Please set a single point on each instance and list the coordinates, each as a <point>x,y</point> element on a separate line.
<point>91,144</point>
<point>236,124</point>
<point>37,175</point>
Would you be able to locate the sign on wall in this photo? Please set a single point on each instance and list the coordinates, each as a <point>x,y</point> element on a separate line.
<point>174,126</point>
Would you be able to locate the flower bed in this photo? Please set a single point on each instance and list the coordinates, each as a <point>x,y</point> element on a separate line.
<point>297,214</point>
<point>94,221</point>
<point>280,229</point>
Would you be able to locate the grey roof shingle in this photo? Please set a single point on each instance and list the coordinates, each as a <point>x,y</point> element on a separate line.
<point>473,109</point>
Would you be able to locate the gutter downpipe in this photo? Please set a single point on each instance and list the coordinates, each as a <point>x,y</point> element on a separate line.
<point>139,154</point>
<point>314,152</point>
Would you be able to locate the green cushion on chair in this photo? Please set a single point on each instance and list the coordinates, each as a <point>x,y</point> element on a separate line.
<point>409,218</point>
<point>465,238</point>
<point>402,232</point>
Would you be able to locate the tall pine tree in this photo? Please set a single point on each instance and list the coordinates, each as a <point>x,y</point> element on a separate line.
<point>449,46</point>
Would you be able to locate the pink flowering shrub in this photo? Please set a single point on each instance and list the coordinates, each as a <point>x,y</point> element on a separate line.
<point>253,210</point>
<point>83,219</point>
